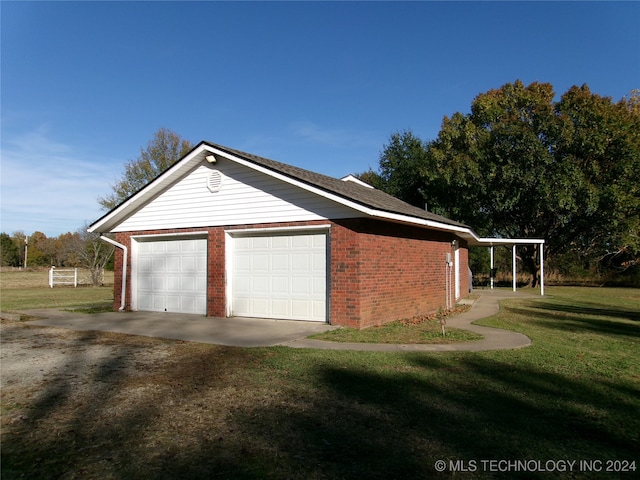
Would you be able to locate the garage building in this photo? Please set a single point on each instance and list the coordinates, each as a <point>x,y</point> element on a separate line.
<point>226,233</point>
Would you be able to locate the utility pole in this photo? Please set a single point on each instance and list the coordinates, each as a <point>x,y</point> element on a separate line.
<point>26,248</point>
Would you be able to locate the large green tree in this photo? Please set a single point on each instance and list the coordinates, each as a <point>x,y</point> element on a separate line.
<point>524,165</point>
<point>9,251</point>
<point>163,150</point>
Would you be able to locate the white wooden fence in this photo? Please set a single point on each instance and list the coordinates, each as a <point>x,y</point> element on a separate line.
<point>63,277</point>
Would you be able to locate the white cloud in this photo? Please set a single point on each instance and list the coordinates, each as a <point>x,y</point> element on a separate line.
<point>49,186</point>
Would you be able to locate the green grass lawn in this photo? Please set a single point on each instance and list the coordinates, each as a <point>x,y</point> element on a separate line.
<point>59,297</point>
<point>23,290</point>
<point>280,413</point>
<point>425,329</point>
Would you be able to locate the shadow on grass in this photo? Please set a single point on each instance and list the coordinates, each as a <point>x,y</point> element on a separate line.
<point>368,425</point>
<point>581,318</point>
<point>618,313</point>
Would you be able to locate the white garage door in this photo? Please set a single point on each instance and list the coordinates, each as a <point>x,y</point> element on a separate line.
<point>172,276</point>
<point>280,276</point>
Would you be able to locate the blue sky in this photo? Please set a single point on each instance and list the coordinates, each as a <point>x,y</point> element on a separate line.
<point>320,85</point>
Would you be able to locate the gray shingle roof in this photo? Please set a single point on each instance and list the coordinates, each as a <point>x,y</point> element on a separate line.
<point>368,197</point>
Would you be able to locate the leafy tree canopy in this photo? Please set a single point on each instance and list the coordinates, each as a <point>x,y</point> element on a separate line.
<point>523,165</point>
<point>9,251</point>
<point>163,150</point>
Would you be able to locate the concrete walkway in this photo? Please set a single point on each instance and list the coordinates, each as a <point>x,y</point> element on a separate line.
<point>486,306</point>
<point>258,332</point>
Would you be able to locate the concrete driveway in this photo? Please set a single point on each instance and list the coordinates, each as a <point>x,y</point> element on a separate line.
<point>236,331</point>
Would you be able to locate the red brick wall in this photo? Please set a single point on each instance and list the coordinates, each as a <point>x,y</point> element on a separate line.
<point>383,272</point>
<point>216,281</point>
<point>378,271</point>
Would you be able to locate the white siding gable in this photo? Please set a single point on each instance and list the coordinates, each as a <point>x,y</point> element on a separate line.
<point>245,196</point>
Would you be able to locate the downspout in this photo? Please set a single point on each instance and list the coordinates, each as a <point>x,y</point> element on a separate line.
<point>124,269</point>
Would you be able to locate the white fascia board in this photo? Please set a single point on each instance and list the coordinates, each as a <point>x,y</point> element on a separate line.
<point>493,242</point>
<point>148,192</point>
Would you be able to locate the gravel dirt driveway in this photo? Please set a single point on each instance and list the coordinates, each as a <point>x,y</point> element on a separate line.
<point>36,360</point>
<point>84,404</point>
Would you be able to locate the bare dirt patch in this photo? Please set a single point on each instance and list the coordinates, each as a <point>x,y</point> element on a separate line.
<point>104,405</point>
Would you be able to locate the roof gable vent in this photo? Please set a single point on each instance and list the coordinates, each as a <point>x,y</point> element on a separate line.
<point>214,181</point>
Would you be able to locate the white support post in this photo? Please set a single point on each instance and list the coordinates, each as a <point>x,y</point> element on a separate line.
<point>542,269</point>
<point>51,276</point>
<point>491,271</point>
<point>75,278</point>
<point>513,261</point>
<point>124,270</point>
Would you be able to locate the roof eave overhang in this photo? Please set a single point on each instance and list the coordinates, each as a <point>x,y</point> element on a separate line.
<point>197,156</point>
<point>507,242</point>
<point>114,217</point>
<point>369,211</point>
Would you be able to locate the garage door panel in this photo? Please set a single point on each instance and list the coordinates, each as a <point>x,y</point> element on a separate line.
<point>159,302</point>
<point>175,247</point>
<point>280,285</point>
<point>260,285</point>
<point>144,283</point>
<point>300,308</point>
<point>145,302</point>
<point>319,309</point>
<point>173,282</point>
<point>158,284</point>
<point>242,286</point>
<point>319,286</point>
<point>187,264</point>
<point>173,265</point>
<point>280,307</point>
<point>173,303</point>
<point>300,262</point>
<point>242,243</point>
<point>280,276</point>
<point>280,243</point>
<point>158,264</point>
<point>144,264</point>
<point>242,262</point>
<point>260,263</point>
<point>188,285</point>
<point>260,306</point>
<point>301,286</point>
<point>319,262</point>
<point>320,241</point>
<point>187,303</point>
<point>301,241</point>
<point>280,262</point>
<point>260,242</point>
<point>172,275</point>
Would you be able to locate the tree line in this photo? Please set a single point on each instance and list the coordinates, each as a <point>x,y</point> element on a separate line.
<point>72,249</point>
<point>522,164</point>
